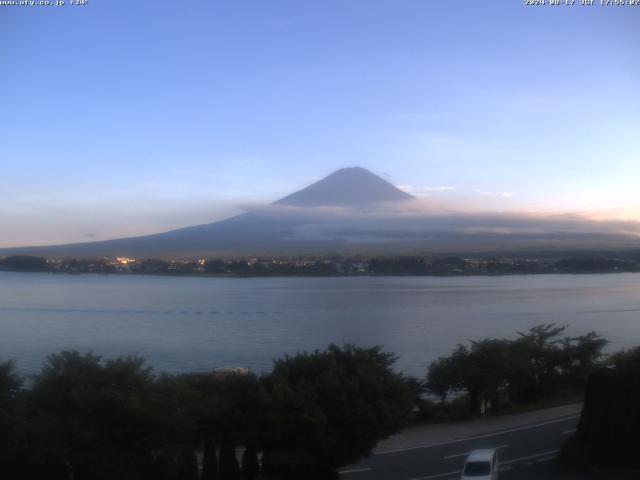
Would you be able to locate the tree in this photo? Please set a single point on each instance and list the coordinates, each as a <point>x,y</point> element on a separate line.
<point>581,356</point>
<point>188,465</point>
<point>542,351</point>
<point>329,408</point>
<point>231,411</point>
<point>92,417</point>
<point>209,459</point>
<point>173,406</point>
<point>487,371</point>
<point>229,467</point>
<point>625,360</point>
<point>12,422</point>
<point>445,374</point>
<point>536,365</point>
<point>24,263</point>
<point>250,465</point>
<point>481,371</point>
<point>607,434</point>
<point>10,384</point>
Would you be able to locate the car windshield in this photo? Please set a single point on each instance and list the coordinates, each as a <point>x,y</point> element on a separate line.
<point>477,469</point>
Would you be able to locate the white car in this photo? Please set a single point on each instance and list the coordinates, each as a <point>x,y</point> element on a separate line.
<point>481,465</point>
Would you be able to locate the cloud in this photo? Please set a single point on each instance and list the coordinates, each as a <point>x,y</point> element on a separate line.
<point>490,193</point>
<point>426,189</point>
<point>465,218</point>
<point>422,221</point>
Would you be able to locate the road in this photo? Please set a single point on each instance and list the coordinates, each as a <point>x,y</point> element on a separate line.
<point>525,451</point>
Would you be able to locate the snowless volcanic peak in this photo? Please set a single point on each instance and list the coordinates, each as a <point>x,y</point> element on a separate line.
<point>347,187</point>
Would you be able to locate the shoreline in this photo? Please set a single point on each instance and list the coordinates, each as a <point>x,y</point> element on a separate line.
<point>337,275</point>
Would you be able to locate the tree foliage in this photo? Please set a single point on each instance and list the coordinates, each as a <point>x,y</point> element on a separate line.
<point>607,434</point>
<point>90,418</point>
<point>329,408</point>
<point>24,263</point>
<point>529,368</point>
<point>12,434</point>
<point>93,417</point>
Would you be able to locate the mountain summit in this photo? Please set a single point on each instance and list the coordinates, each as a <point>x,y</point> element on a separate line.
<point>347,187</point>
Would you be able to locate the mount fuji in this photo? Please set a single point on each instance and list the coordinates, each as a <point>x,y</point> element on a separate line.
<point>353,211</point>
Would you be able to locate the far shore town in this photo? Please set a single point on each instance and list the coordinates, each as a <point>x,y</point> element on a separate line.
<point>334,265</point>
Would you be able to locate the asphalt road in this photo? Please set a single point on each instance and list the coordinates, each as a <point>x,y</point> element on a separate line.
<point>524,452</point>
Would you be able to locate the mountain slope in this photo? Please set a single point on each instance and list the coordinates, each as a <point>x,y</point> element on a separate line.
<point>252,232</point>
<point>348,187</point>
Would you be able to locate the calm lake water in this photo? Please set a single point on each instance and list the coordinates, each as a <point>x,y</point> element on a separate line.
<point>184,323</point>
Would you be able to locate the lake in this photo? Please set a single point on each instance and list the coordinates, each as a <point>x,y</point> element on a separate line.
<point>185,323</point>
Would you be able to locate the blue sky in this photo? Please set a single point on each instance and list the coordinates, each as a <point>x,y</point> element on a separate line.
<point>123,118</point>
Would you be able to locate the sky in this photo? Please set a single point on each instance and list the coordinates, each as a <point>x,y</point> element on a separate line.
<point>124,117</point>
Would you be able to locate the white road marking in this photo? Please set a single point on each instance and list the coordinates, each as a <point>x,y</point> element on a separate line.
<point>467,453</point>
<point>487,435</point>
<point>355,470</point>
<point>439,475</point>
<point>528,457</point>
<point>568,432</point>
<point>547,459</point>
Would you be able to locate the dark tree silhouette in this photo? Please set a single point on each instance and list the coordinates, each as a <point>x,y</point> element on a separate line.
<point>24,263</point>
<point>13,447</point>
<point>250,465</point>
<point>536,365</point>
<point>229,467</point>
<point>329,408</point>
<point>97,419</point>
<point>607,434</point>
<point>209,459</point>
<point>188,467</point>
